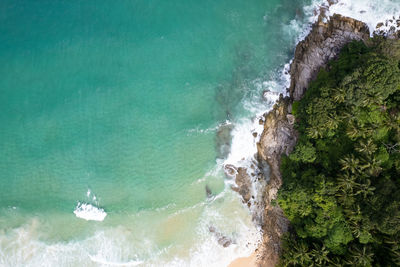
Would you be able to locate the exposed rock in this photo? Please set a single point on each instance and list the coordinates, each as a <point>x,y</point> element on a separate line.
<point>244,184</point>
<point>278,137</point>
<point>230,171</point>
<point>322,44</point>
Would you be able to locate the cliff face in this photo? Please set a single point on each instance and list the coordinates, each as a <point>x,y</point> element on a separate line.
<point>322,44</point>
<point>279,136</point>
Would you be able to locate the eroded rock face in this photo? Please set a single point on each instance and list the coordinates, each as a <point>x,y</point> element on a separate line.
<point>279,136</point>
<point>322,44</point>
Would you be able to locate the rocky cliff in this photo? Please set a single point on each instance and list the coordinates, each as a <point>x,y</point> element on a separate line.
<point>323,43</point>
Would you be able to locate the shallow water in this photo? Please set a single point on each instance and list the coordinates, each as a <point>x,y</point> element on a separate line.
<point>116,105</point>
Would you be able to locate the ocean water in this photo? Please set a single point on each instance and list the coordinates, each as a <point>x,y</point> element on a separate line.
<point>110,113</point>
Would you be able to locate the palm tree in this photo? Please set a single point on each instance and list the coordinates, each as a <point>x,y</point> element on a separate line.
<point>336,262</point>
<point>315,132</point>
<point>365,189</point>
<point>367,147</point>
<point>347,182</point>
<point>302,253</point>
<point>373,166</point>
<point>360,257</point>
<point>320,255</point>
<point>345,197</point>
<point>394,250</point>
<point>333,121</point>
<point>339,95</point>
<point>296,254</point>
<point>353,131</point>
<point>350,163</point>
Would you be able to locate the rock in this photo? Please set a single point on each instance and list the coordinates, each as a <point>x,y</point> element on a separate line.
<point>244,184</point>
<point>208,192</point>
<point>222,239</point>
<point>223,140</point>
<point>254,134</point>
<point>261,122</point>
<point>322,44</point>
<point>279,137</point>
<point>230,170</point>
<point>291,119</point>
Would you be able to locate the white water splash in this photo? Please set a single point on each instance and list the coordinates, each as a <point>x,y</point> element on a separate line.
<point>89,212</point>
<point>371,12</point>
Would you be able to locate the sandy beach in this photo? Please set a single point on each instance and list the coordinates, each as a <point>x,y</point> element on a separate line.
<point>245,261</point>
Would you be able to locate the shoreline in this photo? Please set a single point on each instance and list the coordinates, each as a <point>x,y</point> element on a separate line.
<point>322,44</point>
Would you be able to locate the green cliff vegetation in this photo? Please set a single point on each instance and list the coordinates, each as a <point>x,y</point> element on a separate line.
<point>341,184</point>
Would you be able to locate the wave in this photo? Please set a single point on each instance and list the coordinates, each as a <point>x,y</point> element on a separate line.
<point>99,259</point>
<point>27,245</point>
<point>89,212</point>
<point>371,12</point>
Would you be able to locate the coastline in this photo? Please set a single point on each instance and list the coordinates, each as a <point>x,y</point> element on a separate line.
<point>323,43</point>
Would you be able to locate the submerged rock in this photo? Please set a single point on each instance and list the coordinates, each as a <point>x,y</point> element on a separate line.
<point>223,140</point>
<point>222,239</point>
<point>208,192</point>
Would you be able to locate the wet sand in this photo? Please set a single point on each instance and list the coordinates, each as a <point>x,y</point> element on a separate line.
<point>245,261</point>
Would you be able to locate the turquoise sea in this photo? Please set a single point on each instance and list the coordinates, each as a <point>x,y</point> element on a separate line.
<point>113,107</point>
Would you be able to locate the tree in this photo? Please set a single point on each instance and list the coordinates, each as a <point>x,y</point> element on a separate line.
<point>360,256</point>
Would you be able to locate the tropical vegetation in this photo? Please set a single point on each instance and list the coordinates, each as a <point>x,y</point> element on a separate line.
<point>341,184</point>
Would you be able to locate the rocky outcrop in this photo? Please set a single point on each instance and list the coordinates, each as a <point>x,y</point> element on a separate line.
<point>279,136</point>
<point>322,44</point>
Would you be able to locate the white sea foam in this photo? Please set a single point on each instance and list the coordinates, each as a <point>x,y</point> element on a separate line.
<point>371,12</point>
<point>22,246</point>
<point>120,246</point>
<point>101,260</point>
<point>89,212</point>
<point>208,130</point>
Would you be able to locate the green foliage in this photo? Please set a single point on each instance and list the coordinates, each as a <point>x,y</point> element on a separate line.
<point>304,153</point>
<point>295,107</point>
<point>341,183</point>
